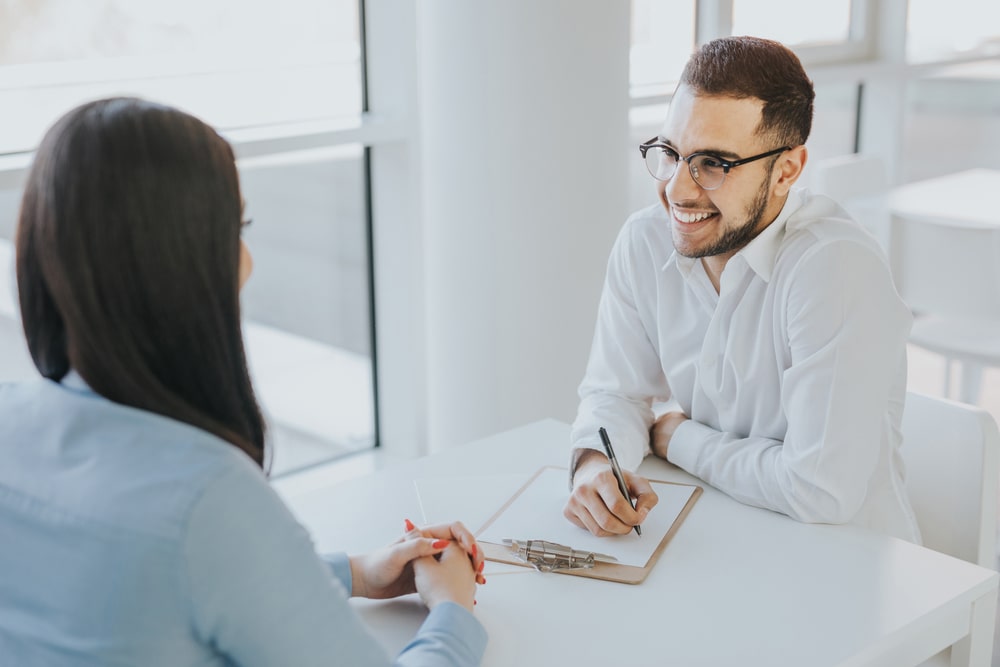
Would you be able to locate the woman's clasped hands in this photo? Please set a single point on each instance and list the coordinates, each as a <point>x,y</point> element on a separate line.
<point>442,563</point>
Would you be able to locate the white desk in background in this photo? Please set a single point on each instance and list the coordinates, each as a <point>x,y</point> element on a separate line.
<point>736,586</point>
<point>963,199</point>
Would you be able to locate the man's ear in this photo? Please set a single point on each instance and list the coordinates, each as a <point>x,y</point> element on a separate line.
<point>788,169</point>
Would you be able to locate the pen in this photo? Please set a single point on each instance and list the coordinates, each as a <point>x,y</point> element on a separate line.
<point>616,469</point>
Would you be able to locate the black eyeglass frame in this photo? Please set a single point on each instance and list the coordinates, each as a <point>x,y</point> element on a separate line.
<point>724,163</point>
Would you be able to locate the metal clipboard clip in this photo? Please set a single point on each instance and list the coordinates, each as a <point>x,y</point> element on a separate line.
<point>547,556</point>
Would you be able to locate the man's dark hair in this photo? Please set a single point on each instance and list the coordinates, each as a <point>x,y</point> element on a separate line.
<point>128,249</point>
<point>744,67</point>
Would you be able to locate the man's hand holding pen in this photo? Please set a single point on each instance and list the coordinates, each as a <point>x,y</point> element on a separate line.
<point>598,505</point>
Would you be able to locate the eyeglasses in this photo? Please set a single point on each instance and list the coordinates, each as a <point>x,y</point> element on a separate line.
<point>708,171</point>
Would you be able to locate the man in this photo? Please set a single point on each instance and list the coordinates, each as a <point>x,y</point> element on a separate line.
<point>764,313</point>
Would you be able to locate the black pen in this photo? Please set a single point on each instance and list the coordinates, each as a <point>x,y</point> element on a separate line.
<point>616,469</point>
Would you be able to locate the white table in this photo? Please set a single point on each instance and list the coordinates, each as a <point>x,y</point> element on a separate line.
<point>963,199</point>
<point>736,586</point>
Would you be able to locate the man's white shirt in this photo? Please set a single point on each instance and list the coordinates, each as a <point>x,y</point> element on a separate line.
<point>793,374</point>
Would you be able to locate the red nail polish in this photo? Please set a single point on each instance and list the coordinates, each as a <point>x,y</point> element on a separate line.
<point>475,602</point>
<point>409,525</point>
<point>475,550</point>
<point>481,566</point>
<point>440,544</point>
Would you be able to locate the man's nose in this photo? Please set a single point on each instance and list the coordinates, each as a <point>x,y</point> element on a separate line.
<point>681,185</point>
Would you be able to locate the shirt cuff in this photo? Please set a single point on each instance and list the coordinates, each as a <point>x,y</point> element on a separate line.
<point>687,443</point>
<point>340,567</point>
<point>468,636</point>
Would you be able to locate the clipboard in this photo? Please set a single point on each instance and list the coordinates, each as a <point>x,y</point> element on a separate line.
<point>538,497</point>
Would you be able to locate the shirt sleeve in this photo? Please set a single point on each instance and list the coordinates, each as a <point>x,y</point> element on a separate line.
<point>261,596</point>
<point>624,375</point>
<point>846,332</point>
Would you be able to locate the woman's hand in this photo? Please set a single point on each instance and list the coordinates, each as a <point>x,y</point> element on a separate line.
<point>451,578</point>
<point>388,572</point>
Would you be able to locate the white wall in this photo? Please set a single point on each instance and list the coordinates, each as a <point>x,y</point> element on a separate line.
<point>524,138</point>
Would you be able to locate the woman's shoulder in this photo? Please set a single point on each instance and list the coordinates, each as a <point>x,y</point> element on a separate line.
<point>75,452</point>
<point>55,408</point>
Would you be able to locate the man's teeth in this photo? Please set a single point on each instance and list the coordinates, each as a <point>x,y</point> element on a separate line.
<point>691,217</point>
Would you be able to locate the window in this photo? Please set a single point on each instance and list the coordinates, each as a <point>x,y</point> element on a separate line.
<point>820,32</point>
<point>794,23</point>
<point>273,79</point>
<point>308,330</point>
<point>834,123</point>
<point>665,33</point>
<point>951,114</point>
<point>662,40</point>
<point>959,28</point>
<point>234,64</point>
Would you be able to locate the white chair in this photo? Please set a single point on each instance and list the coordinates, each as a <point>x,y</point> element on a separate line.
<point>949,275</point>
<point>860,184</point>
<point>952,457</point>
<point>957,316</point>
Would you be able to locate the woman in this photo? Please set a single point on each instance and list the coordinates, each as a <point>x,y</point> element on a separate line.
<point>136,522</point>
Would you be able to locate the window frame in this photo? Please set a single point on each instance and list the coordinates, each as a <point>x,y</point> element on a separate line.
<point>386,128</point>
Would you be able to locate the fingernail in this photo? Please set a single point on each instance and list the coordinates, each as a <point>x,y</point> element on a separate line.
<point>409,525</point>
<point>440,544</point>
<point>475,550</point>
<point>484,580</point>
<point>475,602</point>
<point>481,566</point>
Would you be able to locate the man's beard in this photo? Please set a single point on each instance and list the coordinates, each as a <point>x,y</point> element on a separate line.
<point>734,239</point>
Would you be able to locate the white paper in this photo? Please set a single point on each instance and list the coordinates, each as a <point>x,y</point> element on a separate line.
<point>470,499</point>
<point>537,514</point>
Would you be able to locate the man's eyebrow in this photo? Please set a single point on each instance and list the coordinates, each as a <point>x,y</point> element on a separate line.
<point>718,152</point>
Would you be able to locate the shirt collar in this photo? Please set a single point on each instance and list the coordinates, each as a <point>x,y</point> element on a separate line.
<point>761,253</point>
<point>73,380</point>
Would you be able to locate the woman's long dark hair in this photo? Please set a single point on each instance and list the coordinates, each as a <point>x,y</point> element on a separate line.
<point>128,249</point>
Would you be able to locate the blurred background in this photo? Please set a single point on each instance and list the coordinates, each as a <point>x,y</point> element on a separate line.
<point>435,185</point>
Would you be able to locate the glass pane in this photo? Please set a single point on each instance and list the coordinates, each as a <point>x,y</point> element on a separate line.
<point>794,22</point>
<point>15,362</point>
<point>662,41</point>
<point>236,65</point>
<point>937,30</point>
<point>834,122</point>
<point>951,123</point>
<point>233,63</point>
<point>308,329</point>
